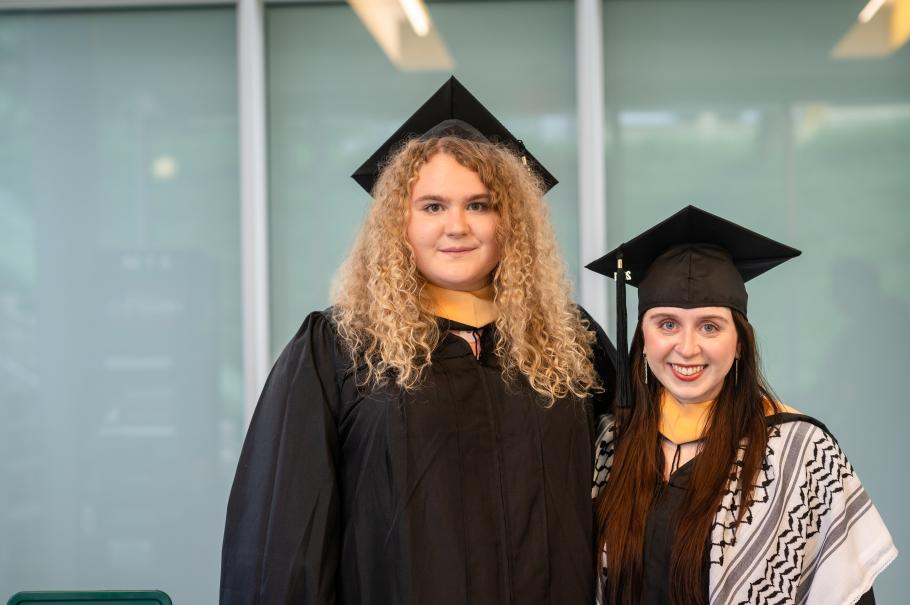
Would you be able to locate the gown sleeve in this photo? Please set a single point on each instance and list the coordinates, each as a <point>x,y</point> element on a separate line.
<point>282,531</point>
<point>811,532</point>
<point>853,544</point>
<point>604,365</point>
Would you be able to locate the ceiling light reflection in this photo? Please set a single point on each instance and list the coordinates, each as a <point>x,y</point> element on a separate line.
<point>869,10</point>
<point>417,15</point>
<point>405,33</point>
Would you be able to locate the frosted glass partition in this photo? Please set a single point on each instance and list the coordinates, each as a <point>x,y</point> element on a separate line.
<point>740,109</point>
<point>120,353</point>
<point>334,97</point>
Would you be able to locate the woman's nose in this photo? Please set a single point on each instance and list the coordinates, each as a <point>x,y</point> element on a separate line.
<point>456,222</point>
<point>688,343</point>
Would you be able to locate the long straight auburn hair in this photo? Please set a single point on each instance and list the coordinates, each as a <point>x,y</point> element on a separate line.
<point>736,419</point>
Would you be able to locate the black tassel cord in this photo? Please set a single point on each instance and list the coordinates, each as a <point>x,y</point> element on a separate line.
<point>623,384</point>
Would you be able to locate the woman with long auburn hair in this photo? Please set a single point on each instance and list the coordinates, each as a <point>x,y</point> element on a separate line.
<point>708,489</point>
<point>429,438</point>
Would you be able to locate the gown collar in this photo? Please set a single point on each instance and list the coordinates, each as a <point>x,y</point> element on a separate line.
<point>683,423</point>
<point>464,310</point>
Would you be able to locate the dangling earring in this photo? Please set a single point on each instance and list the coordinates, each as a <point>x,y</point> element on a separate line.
<point>644,365</point>
<point>735,371</point>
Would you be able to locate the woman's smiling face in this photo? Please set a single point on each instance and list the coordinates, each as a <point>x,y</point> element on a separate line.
<point>452,225</point>
<point>690,351</point>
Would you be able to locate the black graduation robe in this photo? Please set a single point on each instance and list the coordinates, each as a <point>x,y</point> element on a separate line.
<point>466,490</point>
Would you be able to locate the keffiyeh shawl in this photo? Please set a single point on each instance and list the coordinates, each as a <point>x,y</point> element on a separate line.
<point>811,535</point>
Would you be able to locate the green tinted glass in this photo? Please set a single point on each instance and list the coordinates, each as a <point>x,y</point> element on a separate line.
<point>334,97</point>
<point>120,353</point>
<point>741,109</point>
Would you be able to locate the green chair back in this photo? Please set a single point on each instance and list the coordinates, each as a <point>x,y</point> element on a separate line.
<point>91,597</point>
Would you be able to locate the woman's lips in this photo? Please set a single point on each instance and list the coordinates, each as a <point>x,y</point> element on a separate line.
<point>456,250</point>
<point>687,373</point>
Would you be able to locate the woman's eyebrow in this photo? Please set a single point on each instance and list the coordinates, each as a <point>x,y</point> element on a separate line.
<point>716,318</point>
<point>663,316</point>
<point>431,197</point>
<point>438,197</point>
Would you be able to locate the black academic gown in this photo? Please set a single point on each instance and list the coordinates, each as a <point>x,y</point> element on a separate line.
<point>465,491</point>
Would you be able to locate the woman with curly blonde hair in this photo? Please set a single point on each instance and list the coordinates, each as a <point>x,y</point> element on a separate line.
<point>429,438</point>
<point>384,304</point>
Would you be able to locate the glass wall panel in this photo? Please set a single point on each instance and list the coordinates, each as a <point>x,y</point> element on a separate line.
<point>120,353</point>
<point>334,97</point>
<point>741,109</point>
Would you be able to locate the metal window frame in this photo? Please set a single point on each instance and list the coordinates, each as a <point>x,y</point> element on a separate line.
<point>254,215</point>
<point>254,235</point>
<point>592,202</point>
<point>48,5</point>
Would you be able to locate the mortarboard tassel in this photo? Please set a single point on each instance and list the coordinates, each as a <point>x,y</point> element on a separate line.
<point>623,384</point>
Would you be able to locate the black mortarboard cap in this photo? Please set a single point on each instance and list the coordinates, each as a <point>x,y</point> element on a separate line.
<point>692,259</point>
<point>451,111</point>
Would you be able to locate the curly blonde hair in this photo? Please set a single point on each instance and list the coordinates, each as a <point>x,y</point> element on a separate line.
<point>383,312</point>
